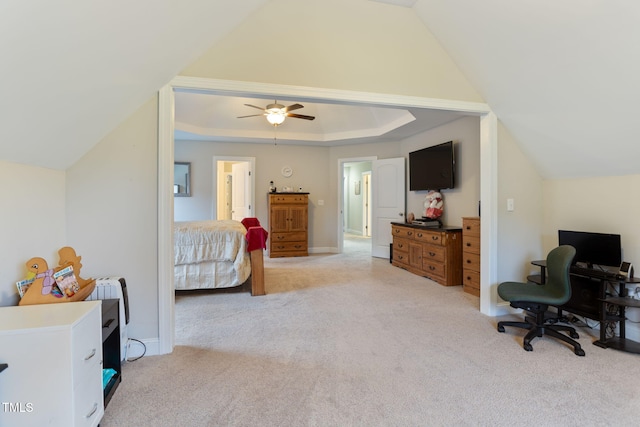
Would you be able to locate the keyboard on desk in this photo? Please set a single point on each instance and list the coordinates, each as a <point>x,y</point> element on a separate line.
<point>595,273</point>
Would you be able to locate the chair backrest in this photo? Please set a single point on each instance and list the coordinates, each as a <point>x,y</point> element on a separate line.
<point>558,264</point>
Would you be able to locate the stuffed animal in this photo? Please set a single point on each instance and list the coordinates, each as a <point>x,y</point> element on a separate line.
<point>434,205</point>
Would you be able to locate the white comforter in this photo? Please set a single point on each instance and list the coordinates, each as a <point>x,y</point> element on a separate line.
<point>199,242</point>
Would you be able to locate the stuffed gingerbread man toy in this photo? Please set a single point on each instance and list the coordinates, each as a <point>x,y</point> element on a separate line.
<point>433,204</point>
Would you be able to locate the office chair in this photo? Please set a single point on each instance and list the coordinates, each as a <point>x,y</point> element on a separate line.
<point>536,299</point>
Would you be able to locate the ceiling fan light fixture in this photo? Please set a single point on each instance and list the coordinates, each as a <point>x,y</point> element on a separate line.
<point>275,116</point>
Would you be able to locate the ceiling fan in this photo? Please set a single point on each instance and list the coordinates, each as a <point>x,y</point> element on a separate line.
<point>276,113</point>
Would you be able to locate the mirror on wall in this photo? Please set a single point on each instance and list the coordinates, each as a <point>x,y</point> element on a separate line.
<point>182,179</point>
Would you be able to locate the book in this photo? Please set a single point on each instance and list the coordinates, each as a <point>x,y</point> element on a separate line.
<point>23,285</point>
<point>67,281</point>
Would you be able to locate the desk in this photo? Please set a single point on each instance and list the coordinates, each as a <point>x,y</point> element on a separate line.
<point>582,276</point>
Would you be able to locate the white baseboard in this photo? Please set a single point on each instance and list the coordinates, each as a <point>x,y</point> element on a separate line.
<point>149,347</point>
<point>323,250</point>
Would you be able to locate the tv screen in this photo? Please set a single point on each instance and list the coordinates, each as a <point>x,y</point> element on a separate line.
<point>593,248</point>
<point>432,168</point>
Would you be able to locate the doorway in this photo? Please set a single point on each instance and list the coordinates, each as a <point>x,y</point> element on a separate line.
<point>355,201</point>
<point>233,187</point>
<point>488,130</point>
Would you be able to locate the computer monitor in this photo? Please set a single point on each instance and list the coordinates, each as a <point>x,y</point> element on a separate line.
<point>593,248</point>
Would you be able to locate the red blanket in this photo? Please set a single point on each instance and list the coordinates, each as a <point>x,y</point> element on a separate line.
<point>256,238</point>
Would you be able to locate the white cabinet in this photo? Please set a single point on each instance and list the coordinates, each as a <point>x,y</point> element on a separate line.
<point>54,357</point>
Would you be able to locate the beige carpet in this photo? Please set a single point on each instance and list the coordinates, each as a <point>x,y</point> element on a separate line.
<point>347,340</point>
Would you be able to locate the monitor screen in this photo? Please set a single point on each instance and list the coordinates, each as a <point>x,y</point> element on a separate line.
<point>593,248</point>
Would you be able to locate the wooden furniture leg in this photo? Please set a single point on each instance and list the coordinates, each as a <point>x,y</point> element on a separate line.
<point>257,272</point>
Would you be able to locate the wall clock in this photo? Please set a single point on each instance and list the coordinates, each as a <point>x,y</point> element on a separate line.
<point>287,171</point>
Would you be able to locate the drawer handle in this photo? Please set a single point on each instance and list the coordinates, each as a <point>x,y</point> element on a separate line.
<point>280,237</point>
<point>468,261</point>
<point>93,353</point>
<point>431,268</point>
<point>409,233</point>
<point>401,245</point>
<point>400,257</point>
<point>93,411</point>
<point>434,237</point>
<point>419,234</point>
<point>468,227</point>
<point>468,244</point>
<point>468,278</point>
<point>108,323</point>
<point>432,254</point>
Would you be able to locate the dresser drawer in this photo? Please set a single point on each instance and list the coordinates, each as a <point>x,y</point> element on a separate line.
<point>431,237</point>
<point>433,269</point>
<point>400,245</point>
<point>87,348</point>
<point>471,278</point>
<point>405,232</point>
<point>471,226</point>
<point>471,261</point>
<point>289,237</point>
<point>88,400</point>
<point>471,244</point>
<point>433,253</point>
<point>288,246</point>
<point>290,199</point>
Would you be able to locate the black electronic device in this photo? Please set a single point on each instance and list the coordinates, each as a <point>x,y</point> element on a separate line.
<point>432,168</point>
<point>626,270</point>
<point>599,249</point>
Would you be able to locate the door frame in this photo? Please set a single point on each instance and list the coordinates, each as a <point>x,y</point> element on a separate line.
<point>341,208</point>
<point>365,188</point>
<point>166,126</point>
<point>252,181</point>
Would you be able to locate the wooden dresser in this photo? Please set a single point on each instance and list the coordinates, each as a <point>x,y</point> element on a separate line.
<point>288,224</point>
<point>471,255</point>
<point>435,253</point>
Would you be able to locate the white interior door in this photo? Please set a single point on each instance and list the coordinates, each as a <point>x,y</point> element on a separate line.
<point>240,191</point>
<point>387,201</point>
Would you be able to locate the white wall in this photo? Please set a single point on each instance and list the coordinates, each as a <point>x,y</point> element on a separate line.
<point>462,200</point>
<point>32,222</point>
<point>351,45</point>
<point>309,166</point>
<point>112,214</point>
<point>519,231</point>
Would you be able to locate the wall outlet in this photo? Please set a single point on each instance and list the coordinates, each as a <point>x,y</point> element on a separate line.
<point>510,205</point>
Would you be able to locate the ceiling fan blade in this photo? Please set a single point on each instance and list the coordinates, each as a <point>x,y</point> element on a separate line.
<point>252,115</point>
<point>293,107</point>
<point>300,116</point>
<point>259,108</point>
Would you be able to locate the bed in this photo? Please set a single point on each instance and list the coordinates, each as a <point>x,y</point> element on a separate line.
<point>210,254</point>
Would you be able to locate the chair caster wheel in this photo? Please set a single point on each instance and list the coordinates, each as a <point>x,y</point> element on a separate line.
<point>500,328</point>
<point>579,352</point>
<point>528,347</point>
<point>574,335</point>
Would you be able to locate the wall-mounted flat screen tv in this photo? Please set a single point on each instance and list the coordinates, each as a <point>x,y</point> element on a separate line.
<point>432,168</point>
<point>593,248</point>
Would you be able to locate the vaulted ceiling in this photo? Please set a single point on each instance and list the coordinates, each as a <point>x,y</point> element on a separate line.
<point>562,77</point>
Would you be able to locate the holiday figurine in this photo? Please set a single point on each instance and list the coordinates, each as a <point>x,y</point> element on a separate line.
<point>434,205</point>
